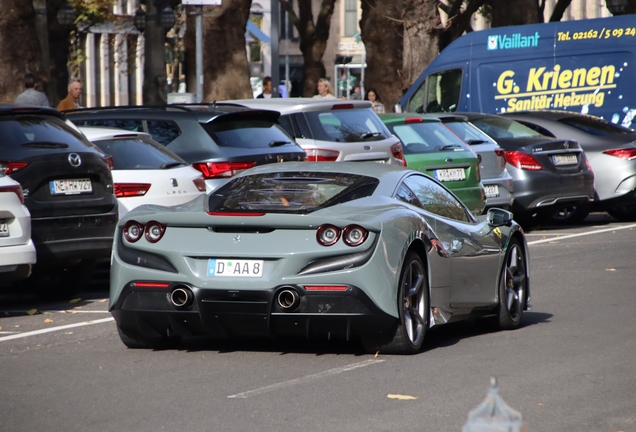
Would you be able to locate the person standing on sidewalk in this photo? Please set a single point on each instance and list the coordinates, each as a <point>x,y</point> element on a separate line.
<point>31,95</point>
<point>71,101</point>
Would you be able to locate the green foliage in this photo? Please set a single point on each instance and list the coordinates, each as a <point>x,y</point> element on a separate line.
<point>92,11</point>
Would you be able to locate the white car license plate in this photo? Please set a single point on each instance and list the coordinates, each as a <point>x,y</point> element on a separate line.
<point>450,174</point>
<point>4,228</point>
<point>565,159</point>
<point>71,187</point>
<point>235,268</point>
<point>491,191</point>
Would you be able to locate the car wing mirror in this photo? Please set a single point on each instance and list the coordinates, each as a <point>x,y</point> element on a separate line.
<point>498,217</point>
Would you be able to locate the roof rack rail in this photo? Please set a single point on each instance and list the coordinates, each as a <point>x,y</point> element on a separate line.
<point>124,107</point>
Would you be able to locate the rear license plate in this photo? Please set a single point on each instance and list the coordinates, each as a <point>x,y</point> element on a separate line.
<point>4,228</point>
<point>451,174</point>
<point>491,191</point>
<point>235,268</point>
<point>71,187</point>
<point>565,159</point>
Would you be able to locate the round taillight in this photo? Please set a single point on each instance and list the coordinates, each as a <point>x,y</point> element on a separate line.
<point>328,235</point>
<point>354,235</point>
<point>133,231</point>
<point>154,231</point>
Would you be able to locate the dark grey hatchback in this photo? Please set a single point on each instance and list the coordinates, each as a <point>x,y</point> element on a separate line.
<point>220,140</point>
<point>68,189</point>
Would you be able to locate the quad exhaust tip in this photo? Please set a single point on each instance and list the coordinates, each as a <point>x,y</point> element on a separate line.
<point>288,299</point>
<point>181,297</point>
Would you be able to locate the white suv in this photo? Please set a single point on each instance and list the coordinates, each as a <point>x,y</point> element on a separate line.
<point>333,130</point>
<point>17,252</point>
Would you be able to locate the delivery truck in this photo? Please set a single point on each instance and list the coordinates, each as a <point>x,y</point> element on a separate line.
<point>586,66</point>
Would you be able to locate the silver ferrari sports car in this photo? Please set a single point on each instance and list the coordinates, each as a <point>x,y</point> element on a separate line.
<point>361,251</point>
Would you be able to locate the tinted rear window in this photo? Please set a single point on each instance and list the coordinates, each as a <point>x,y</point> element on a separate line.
<point>39,132</point>
<point>499,127</point>
<point>595,127</point>
<point>137,154</point>
<point>250,133</point>
<point>290,192</point>
<point>346,125</point>
<point>420,138</point>
<point>469,133</point>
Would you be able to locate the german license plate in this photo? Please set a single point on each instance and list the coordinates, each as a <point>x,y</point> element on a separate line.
<point>491,191</point>
<point>71,187</point>
<point>450,174</point>
<point>565,159</point>
<point>4,228</point>
<point>235,268</point>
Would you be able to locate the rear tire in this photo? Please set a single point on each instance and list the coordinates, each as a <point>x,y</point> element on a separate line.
<point>413,311</point>
<point>134,339</point>
<point>60,283</point>
<point>624,213</point>
<point>513,287</point>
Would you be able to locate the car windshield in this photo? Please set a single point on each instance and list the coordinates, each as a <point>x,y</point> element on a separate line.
<point>499,127</point>
<point>137,154</point>
<point>252,133</point>
<point>290,192</point>
<point>346,125</point>
<point>40,132</point>
<point>469,133</point>
<point>594,126</point>
<point>420,138</point>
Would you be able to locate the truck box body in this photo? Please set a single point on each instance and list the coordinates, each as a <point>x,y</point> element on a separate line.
<point>586,66</point>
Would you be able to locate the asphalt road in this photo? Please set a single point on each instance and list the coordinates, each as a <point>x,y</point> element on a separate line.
<point>571,367</point>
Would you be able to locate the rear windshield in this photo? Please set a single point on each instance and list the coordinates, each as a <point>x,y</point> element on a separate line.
<point>347,125</point>
<point>420,138</point>
<point>290,192</point>
<point>250,133</point>
<point>469,133</point>
<point>499,127</point>
<point>40,132</point>
<point>594,126</point>
<point>138,154</point>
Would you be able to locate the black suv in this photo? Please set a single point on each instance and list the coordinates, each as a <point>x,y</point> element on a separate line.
<point>219,140</point>
<point>68,189</point>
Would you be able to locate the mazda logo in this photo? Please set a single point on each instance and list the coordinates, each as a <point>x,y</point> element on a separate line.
<point>74,159</point>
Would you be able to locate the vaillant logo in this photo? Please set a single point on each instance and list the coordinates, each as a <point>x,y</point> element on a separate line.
<point>515,40</point>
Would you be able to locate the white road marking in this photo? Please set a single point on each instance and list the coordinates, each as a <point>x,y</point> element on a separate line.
<point>304,379</point>
<point>558,238</point>
<point>52,329</point>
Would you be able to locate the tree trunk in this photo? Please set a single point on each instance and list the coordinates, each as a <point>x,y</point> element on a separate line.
<point>20,51</point>
<point>514,12</point>
<point>225,68</point>
<point>382,32</point>
<point>155,84</point>
<point>313,39</point>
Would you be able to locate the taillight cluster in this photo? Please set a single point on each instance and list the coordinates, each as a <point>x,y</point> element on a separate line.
<point>108,160</point>
<point>200,184</point>
<point>212,170</point>
<point>8,168</point>
<point>153,231</point>
<point>16,189</point>
<point>522,161</point>
<point>321,155</point>
<point>398,153</point>
<point>625,154</point>
<point>352,235</point>
<point>124,190</point>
